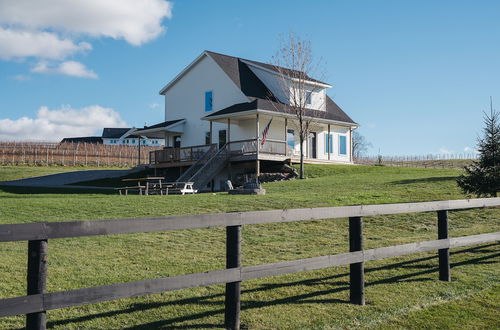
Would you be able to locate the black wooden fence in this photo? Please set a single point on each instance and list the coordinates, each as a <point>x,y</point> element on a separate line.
<point>38,301</point>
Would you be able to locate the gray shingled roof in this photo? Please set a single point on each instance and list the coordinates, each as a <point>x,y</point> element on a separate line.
<point>230,65</point>
<point>162,124</point>
<point>83,139</point>
<point>333,111</point>
<point>114,133</point>
<point>242,76</point>
<point>259,95</point>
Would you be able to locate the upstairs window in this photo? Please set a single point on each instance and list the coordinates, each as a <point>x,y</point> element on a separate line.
<point>208,101</point>
<point>308,97</point>
<point>342,145</point>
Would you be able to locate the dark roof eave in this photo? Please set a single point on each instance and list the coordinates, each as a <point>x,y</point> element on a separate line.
<point>216,116</point>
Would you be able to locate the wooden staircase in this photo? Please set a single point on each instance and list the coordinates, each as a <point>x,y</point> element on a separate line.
<point>206,168</point>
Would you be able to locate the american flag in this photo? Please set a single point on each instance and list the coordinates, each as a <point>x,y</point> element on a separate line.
<point>265,132</point>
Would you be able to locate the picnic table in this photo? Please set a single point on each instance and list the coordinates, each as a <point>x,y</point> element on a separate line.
<point>144,185</point>
<point>155,185</point>
<point>179,188</point>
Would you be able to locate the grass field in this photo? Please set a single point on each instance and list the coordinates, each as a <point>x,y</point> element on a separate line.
<point>401,292</point>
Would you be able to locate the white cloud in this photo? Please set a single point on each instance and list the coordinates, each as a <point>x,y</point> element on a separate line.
<point>15,43</point>
<point>445,151</point>
<point>135,21</point>
<point>49,29</point>
<point>54,125</point>
<point>69,68</point>
<point>21,77</point>
<point>471,150</point>
<point>154,106</point>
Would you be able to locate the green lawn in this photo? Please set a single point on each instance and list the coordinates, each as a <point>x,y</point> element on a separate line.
<point>401,292</point>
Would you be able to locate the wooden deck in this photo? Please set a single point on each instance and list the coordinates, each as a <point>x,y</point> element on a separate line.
<point>239,151</point>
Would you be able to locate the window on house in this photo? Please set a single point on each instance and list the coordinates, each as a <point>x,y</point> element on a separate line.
<point>328,143</point>
<point>208,101</point>
<point>207,138</point>
<point>308,97</point>
<point>133,141</point>
<point>342,145</point>
<point>290,138</point>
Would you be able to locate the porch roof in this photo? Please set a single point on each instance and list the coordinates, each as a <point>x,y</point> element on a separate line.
<point>333,113</point>
<point>159,130</point>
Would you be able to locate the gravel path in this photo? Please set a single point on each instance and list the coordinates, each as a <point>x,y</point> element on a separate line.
<point>66,179</point>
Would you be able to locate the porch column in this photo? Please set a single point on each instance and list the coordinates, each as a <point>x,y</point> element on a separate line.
<point>286,134</point>
<point>329,141</point>
<point>228,133</point>
<point>350,143</point>
<point>257,163</point>
<point>166,139</point>
<point>211,132</point>
<point>228,150</point>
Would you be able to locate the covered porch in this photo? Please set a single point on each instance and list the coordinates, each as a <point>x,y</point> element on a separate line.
<point>260,135</point>
<point>269,135</point>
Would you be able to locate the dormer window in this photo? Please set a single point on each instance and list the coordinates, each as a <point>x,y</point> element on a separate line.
<point>208,101</point>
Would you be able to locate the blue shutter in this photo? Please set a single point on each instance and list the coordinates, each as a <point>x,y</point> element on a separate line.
<point>328,143</point>
<point>208,101</point>
<point>342,145</point>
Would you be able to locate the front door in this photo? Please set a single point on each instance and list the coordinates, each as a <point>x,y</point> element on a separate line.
<point>177,141</point>
<point>311,145</point>
<point>222,138</point>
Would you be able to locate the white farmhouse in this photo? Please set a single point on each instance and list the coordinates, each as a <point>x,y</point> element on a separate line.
<point>216,114</point>
<point>128,137</point>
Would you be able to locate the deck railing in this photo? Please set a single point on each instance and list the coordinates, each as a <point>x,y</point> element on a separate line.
<point>236,148</point>
<point>175,155</point>
<point>37,234</point>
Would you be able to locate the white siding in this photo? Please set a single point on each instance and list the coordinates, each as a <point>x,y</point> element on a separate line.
<point>186,99</point>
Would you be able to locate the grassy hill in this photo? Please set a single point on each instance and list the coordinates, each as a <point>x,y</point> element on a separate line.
<point>400,292</point>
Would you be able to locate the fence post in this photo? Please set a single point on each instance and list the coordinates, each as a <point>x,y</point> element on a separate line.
<point>233,289</point>
<point>443,254</point>
<point>37,280</point>
<point>356,275</point>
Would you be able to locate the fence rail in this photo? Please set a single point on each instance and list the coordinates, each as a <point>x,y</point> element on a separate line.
<point>71,154</point>
<point>37,234</point>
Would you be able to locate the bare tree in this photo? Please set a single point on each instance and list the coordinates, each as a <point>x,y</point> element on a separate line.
<point>295,66</point>
<point>359,145</point>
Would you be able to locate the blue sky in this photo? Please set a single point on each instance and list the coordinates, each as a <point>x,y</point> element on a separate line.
<point>416,75</point>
